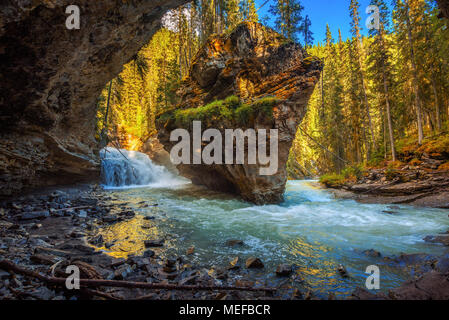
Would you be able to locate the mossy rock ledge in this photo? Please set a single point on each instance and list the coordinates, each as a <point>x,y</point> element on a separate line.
<point>250,78</point>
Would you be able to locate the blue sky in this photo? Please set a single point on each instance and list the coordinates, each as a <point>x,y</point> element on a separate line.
<point>321,12</point>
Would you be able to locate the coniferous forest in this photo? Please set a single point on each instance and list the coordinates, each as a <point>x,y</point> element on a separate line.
<point>224,150</point>
<point>378,92</point>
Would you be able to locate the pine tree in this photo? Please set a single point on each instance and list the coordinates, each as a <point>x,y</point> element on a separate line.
<point>307,32</point>
<point>356,32</point>
<point>248,10</point>
<point>381,66</point>
<point>233,14</point>
<point>403,9</point>
<point>288,18</point>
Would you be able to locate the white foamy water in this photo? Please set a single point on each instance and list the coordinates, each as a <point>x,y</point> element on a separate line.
<point>311,229</point>
<point>122,169</point>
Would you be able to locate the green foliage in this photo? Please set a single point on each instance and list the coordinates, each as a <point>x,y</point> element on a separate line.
<point>232,101</point>
<point>349,174</point>
<point>333,180</point>
<point>215,111</point>
<point>353,172</point>
<point>230,109</point>
<point>244,113</point>
<point>265,106</point>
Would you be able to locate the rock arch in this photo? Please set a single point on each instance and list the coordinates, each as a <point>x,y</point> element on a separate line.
<point>51,78</point>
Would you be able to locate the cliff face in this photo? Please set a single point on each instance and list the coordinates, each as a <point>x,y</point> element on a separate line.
<point>251,78</point>
<point>51,77</point>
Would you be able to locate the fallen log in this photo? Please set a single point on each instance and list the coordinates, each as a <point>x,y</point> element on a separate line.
<point>93,283</point>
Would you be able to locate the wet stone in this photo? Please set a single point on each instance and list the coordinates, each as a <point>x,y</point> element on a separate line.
<point>372,253</point>
<point>233,243</point>
<point>34,215</point>
<point>284,270</point>
<point>153,243</point>
<point>122,272</point>
<point>254,263</point>
<point>342,271</point>
<point>148,253</point>
<point>97,241</point>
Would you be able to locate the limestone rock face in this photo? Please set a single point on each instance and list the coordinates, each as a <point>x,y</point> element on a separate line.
<point>51,77</point>
<point>255,64</point>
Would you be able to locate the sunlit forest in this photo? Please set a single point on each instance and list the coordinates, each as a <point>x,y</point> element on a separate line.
<point>378,92</point>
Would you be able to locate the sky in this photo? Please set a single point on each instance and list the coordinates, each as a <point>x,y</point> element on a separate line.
<point>321,12</point>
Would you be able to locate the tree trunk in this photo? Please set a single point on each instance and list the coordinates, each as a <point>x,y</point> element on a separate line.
<point>415,75</point>
<point>437,105</point>
<point>388,111</point>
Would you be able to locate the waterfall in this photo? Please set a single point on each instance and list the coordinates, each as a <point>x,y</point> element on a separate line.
<point>136,169</point>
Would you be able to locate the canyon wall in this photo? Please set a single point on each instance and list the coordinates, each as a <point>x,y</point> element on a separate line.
<point>51,77</point>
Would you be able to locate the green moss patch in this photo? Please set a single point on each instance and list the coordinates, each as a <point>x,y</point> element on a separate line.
<point>230,109</point>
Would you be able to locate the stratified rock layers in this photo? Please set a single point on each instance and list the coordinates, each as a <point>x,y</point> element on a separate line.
<point>51,77</point>
<point>252,63</point>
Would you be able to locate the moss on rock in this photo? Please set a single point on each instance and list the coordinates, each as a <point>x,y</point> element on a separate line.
<point>231,110</point>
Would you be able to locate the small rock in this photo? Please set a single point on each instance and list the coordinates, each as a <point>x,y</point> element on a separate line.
<point>4,274</point>
<point>234,264</point>
<point>117,262</point>
<point>82,214</point>
<point>128,214</point>
<point>97,241</point>
<point>36,226</point>
<point>148,253</point>
<point>233,243</point>
<point>122,272</point>
<point>372,253</point>
<point>297,294</point>
<point>284,270</point>
<point>443,239</point>
<point>77,234</point>
<point>244,283</point>
<point>342,271</point>
<point>254,263</point>
<point>110,219</point>
<point>108,245</point>
<point>153,243</point>
<point>34,215</point>
<point>390,212</point>
<point>44,259</point>
<point>190,250</point>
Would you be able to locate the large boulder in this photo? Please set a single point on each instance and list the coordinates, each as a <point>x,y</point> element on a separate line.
<point>250,78</point>
<point>51,78</point>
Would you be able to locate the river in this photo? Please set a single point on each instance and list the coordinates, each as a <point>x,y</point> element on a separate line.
<point>311,230</point>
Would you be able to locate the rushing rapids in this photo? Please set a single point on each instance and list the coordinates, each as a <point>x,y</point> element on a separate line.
<point>310,230</point>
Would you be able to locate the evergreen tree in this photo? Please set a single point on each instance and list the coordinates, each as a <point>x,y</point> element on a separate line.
<point>381,68</point>
<point>307,32</point>
<point>288,18</point>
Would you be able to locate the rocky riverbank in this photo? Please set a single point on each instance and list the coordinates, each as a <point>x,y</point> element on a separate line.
<point>47,231</point>
<point>422,186</point>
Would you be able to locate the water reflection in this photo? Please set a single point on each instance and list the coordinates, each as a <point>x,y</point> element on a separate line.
<point>311,231</point>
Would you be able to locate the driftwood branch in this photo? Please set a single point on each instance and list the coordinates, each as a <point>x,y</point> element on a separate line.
<point>93,283</point>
